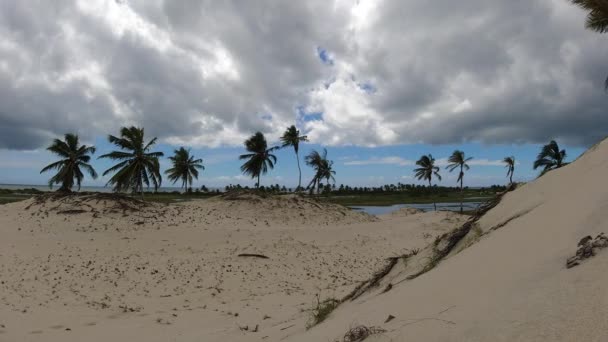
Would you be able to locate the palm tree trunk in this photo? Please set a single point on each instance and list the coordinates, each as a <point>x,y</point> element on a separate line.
<point>258,186</point>
<point>141,187</point>
<point>431,190</point>
<point>461,193</point>
<point>299,171</point>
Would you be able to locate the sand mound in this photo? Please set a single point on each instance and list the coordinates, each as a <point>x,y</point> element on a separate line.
<point>92,212</point>
<point>281,210</point>
<point>502,277</point>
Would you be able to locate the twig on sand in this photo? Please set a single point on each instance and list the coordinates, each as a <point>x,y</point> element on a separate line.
<point>261,256</point>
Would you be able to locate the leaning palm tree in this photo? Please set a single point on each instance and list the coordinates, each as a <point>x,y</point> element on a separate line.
<point>292,137</point>
<point>510,165</point>
<point>137,165</point>
<point>426,171</point>
<point>259,159</point>
<point>550,157</point>
<point>322,166</point>
<point>458,160</point>
<point>185,167</point>
<point>597,19</point>
<point>74,156</point>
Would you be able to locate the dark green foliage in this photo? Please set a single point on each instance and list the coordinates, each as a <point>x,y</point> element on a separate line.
<point>458,160</point>
<point>74,157</point>
<point>597,18</point>
<point>259,159</point>
<point>510,165</point>
<point>184,168</point>
<point>426,170</point>
<point>550,157</point>
<point>292,137</point>
<point>137,165</point>
<point>322,166</point>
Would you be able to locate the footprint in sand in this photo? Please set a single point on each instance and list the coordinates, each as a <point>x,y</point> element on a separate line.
<point>56,327</point>
<point>36,332</point>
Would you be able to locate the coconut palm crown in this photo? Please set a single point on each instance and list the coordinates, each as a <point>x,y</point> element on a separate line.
<point>184,168</point>
<point>137,166</point>
<point>550,157</point>
<point>292,137</point>
<point>597,18</point>
<point>259,159</point>
<point>322,166</point>
<point>74,157</point>
<point>458,160</point>
<point>426,170</point>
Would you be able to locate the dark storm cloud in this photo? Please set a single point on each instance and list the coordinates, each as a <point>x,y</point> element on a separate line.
<point>211,73</point>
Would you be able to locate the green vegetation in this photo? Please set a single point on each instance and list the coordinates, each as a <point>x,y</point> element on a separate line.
<point>442,195</point>
<point>74,157</point>
<point>550,158</point>
<point>322,311</point>
<point>323,169</point>
<point>597,19</point>
<point>292,137</point>
<point>137,166</point>
<point>426,171</point>
<point>185,167</point>
<point>510,165</point>
<point>458,160</point>
<point>259,159</point>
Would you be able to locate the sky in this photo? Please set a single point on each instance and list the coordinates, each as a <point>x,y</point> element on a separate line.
<point>376,82</point>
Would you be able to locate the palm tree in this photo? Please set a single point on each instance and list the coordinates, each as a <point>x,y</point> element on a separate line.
<point>137,166</point>
<point>323,168</point>
<point>510,165</point>
<point>550,157</point>
<point>260,158</point>
<point>74,156</point>
<point>458,160</point>
<point>597,19</point>
<point>292,137</point>
<point>185,167</point>
<point>426,171</point>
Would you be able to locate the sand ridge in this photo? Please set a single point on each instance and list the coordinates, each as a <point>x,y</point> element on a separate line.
<point>101,267</point>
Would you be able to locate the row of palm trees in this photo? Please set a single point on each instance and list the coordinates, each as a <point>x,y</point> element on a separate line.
<point>260,158</point>
<point>549,158</point>
<point>137,165</point>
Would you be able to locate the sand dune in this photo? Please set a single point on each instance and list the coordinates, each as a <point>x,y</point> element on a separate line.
<point>108,268</point>
<point>507,279</point>
<point>98,269</point>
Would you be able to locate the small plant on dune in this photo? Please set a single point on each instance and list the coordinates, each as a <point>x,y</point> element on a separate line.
<point>360,333</point>
<point>322,310</point>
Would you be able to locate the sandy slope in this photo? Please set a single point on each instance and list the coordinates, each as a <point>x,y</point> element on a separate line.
<point>93,269</point>
<point>512,285</point>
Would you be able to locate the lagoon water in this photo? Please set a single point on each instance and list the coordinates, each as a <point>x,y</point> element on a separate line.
<point>381,210</point>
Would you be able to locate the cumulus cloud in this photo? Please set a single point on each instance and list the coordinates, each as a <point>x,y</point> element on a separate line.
<point>370,72</point>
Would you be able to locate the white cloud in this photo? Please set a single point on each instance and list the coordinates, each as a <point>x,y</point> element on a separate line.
<point>392,160</point>
<point>212,73</point>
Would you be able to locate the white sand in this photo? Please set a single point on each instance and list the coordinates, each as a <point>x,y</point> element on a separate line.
<point>172,272</point>
<point>512,285</point>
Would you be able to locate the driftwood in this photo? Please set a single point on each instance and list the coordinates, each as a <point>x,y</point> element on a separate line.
<point>252,255</point>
